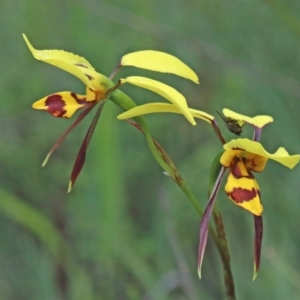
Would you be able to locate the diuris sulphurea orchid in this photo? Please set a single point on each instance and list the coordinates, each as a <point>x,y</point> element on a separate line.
<point>99,88</point>
<point>242,157</point>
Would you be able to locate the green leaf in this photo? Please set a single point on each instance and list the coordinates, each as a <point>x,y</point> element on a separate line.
<point>33,220</point>
<point>50,237</point>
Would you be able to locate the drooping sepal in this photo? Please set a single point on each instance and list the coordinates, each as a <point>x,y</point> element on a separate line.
<point>80,159</point>
<point>159,62</point>
<point>203,233</point>
<point>79,118</point>
<point>62,104</point>
<point>258,225</point>
<point>214,172</point>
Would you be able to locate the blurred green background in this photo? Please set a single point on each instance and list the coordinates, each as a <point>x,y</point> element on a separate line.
<point>126,231</point>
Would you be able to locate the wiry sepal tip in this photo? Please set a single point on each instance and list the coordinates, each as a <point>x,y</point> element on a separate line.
<point>70,186</point>
<point>255,272</point>
<point>199,272</point>
<point>46,160</point>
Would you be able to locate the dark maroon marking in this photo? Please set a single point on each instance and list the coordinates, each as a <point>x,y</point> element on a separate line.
<point>55,105</point>
<point>240,195</point>
<point>83,66</point>
<point>235,169</point>
<point>251,164</point>
<point>79,101</point>
<point>80,65</point>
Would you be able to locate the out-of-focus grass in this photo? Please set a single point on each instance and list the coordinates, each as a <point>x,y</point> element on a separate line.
<point>128,230</point>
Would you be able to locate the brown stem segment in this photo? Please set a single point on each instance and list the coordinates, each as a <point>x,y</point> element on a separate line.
<point>119,98</point>
<point>219,237</point>
<point>218,132</point>
<point>225,256</point>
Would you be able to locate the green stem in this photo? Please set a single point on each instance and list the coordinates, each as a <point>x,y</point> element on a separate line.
<point>219,238</point>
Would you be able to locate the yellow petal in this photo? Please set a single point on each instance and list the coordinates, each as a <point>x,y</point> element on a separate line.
<point>242,188</point>
<point>160,62</point>
<point>62,104</point>
<point>150,108</point>
<point>74,64</point>
<point>255,162</point>
<point>202,115</point>
<point>245,193</point>
<point>228,156</point>
<point>165,91</point>
<point>258,121</point>
<point>252,161</point>
<point>281,155</point>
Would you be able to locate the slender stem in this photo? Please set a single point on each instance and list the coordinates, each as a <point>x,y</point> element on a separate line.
<point>224,252</point>
<point>126,103</point>
<point>218,132</point>
<point>257,134</point>
<point>221,240</point>
<point>114,72</point>
<point>111,90</point>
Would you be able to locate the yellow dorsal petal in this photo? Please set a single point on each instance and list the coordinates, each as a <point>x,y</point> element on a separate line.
<point>69,62</point>
<point>160,62</point>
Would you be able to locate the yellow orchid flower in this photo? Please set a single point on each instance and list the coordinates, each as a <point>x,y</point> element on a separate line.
<point>243,157</point>
<point>99,88</point>
<point>159,62</point>
<point>65,104</point>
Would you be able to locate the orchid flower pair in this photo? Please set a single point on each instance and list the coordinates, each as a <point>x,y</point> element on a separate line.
<point>100,88</point>
<point>240,156</point>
